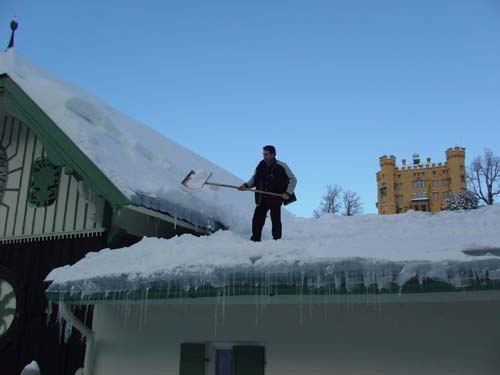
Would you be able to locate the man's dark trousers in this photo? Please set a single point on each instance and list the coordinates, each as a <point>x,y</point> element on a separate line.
<point>259,219</point>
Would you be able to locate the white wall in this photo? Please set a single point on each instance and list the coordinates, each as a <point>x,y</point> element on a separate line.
<point>400,338</point>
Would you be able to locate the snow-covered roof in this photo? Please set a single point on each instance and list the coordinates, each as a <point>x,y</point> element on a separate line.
<point>332,252</point>
<point>139,161</point>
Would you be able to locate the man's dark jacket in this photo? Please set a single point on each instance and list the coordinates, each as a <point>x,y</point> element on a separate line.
<point>275,177</point>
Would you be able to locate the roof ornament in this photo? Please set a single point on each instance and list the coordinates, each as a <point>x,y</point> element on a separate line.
<point>13,28</point>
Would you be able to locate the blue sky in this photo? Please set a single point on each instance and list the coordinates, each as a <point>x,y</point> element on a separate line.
<point>332,84</point>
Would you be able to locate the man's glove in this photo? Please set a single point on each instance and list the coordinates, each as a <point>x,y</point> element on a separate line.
<point>285,196</point>
<point>243,187</point>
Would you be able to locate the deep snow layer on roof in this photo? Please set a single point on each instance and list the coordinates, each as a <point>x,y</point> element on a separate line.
<point>138,160</point>
<point>367,249</point>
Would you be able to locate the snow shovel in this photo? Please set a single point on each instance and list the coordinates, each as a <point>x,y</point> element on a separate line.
<point>197,179</point>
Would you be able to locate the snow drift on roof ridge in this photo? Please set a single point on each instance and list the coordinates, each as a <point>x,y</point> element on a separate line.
<point>136,158</point>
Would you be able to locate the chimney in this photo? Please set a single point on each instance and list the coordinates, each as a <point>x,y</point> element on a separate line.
<point>428,160</point>
<point>416,158</point>
<point>404,162</point>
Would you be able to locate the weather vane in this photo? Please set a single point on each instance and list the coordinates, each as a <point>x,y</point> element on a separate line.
<point>13,28</point>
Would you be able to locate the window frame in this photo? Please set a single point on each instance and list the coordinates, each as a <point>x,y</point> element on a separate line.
<point>213,346</point>
<point>9,276</point>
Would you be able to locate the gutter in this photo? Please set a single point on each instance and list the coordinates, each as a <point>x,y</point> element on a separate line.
<point>67,314</point>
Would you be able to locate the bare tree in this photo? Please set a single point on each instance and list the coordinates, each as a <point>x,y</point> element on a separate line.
<point>484,176</point>
<point>351,202</point>
<point>331,201</point>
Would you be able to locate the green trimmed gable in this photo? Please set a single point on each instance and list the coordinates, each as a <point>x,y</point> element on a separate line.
<point>59,147</point>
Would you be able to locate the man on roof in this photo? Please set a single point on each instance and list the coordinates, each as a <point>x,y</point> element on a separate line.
<point>272,176</point>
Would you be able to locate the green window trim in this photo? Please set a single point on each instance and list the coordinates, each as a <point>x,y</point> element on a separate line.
<point>44,183</point>
<point>246,359</point>
<point>193,359</point>
<point>249,360</point>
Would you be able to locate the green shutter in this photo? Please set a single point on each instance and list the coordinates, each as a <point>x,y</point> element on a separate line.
<point>248,360</point>
<point>192,359</point>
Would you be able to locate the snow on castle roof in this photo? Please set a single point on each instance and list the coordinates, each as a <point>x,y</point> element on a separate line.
<point>333,251</point>
<point>143,164</point>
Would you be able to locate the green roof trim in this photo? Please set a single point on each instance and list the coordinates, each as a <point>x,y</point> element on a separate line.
<point>61,150</point>
<point>411,287</point>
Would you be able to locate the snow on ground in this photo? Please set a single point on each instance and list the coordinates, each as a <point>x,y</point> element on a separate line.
<point>367,249</point>
<point>137,159</point>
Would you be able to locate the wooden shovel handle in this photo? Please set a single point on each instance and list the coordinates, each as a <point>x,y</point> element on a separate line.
<point>237,187</point>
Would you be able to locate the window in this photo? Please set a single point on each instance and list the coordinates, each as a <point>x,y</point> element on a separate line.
<point>435,196</point>
<point>445,182</point>
<point>8,300</point>
<point>3,171</point>
<point>8,306</point>
<point>383,193</point>
<point>435,183</point>
<point>446,195</point>
<point>399,199</point>
<point>222,359</point>
<point>462,178</point>
<point>44,182</point>
<point>419,184</point>
<point>399,186</point>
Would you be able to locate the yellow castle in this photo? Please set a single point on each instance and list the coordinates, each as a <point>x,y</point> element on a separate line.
<point>421,186</point>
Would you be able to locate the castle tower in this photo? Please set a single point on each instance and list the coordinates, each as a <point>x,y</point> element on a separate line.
<point>455,161</point>
<point>385,185</point>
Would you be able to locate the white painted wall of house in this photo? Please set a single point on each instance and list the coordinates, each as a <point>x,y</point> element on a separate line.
<point>397,338</point>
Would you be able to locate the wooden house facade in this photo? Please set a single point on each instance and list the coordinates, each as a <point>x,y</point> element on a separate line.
<point>56,205</point>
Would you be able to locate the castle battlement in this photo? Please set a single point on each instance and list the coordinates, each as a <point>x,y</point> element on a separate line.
<point>453,152</point>
<point>387,160</point>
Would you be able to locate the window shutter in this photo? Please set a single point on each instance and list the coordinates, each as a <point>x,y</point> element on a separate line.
<point>248,360</point>
<point>192,359</point>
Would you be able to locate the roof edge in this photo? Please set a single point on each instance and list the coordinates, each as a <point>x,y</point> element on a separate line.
<point>412,287</point>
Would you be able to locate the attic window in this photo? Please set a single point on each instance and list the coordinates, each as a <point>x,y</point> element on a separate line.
<point>44,183</point>
<point>3,171</point>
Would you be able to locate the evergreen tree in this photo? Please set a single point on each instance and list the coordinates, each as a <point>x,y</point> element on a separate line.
<point>463,200</point>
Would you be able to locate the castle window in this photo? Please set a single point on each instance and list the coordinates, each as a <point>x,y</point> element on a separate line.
<point>461,167</point>
<point>446,195</point>
<point>445,182</point>
<point>435,196</point>
<point>433,173</point>
<point>462,178</point>
<point>399,199</point>
<point>3,171</point>
<point>419,184</point>
<point>435,183</point>
<point>399,186</point>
